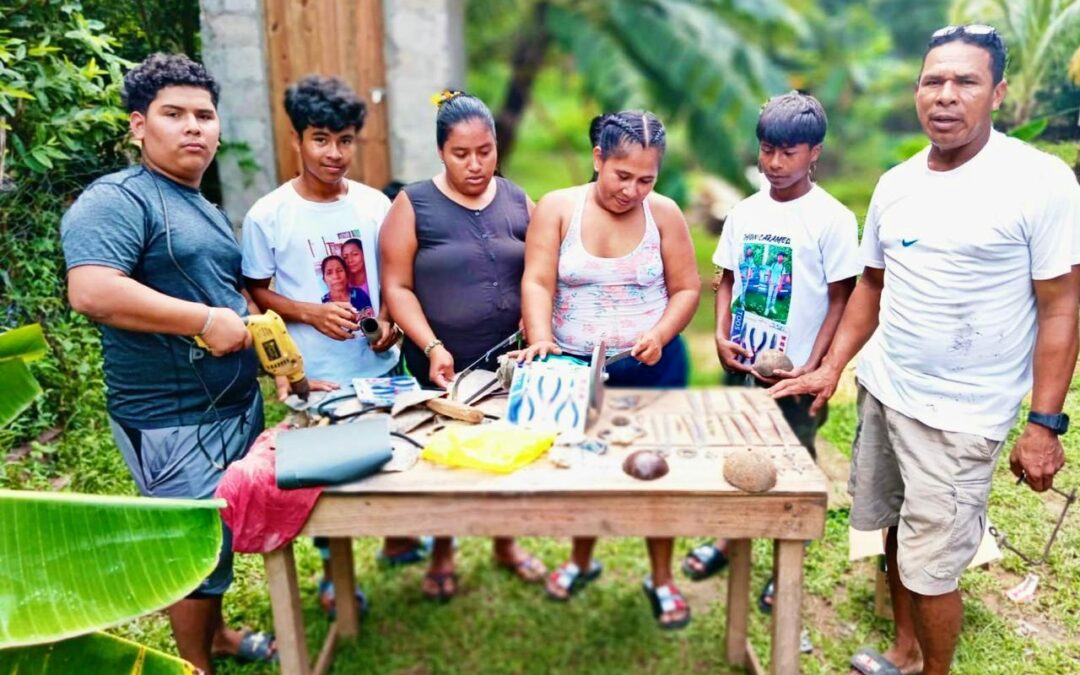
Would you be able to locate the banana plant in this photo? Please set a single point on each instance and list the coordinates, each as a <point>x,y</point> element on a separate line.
<point>73,564</point>
<point>19,347</point>
<point>1039,34</point>
<point>703,63</point>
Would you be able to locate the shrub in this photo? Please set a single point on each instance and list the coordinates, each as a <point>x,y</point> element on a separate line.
<point>63,127</point>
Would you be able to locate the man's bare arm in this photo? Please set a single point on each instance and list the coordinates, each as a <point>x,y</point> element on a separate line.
<point>110,297</point>
<point>859,322</point>
<point>1038,454</point>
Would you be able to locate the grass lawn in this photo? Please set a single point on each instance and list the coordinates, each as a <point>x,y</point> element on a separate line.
<point>499,625</point>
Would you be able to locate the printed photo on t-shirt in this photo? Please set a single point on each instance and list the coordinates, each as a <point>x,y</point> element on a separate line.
<point>760,311</point>
<point>344,277</point>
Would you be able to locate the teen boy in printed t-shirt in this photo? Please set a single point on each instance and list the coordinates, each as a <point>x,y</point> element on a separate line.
<point>800,249</point>
<point>316,237</point>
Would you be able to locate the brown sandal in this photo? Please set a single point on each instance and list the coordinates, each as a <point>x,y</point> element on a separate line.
<point>445,584</point>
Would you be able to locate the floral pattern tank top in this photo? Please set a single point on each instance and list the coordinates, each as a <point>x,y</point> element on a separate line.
<point>614,299</point>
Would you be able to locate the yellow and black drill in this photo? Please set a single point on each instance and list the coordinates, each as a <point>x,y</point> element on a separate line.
<point>276,350</point>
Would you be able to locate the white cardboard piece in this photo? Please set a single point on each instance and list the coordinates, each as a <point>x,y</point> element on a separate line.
<point>866,544</point>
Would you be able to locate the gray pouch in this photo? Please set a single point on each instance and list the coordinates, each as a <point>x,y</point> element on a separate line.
<point>332,455</point>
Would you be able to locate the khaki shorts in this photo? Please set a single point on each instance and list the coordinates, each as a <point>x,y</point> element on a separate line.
<point>931,485</point>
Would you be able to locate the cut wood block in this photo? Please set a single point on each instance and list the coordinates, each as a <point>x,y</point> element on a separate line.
<point>455,410</point>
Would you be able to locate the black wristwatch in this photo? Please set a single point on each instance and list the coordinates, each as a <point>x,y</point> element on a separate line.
<point>1058,423</point>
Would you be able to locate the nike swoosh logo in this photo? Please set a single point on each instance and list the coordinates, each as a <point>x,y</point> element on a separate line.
<point>908,242</point>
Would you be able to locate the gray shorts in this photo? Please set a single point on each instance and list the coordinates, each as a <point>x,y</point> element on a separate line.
<point>931,485</point>
<point>188,462</point>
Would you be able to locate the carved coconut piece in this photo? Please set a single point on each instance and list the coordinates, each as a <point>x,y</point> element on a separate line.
<point>645,465</point>
<point>750,470</point>
<point>771,360</point>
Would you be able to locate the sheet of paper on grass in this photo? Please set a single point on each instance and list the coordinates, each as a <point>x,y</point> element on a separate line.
<point>866,544</point>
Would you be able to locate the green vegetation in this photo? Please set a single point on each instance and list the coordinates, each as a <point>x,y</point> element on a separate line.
<point>59,70</point>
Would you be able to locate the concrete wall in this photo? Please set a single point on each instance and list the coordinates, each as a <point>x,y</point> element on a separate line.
<point>424,43</point>
<point>424,46</point>
<point>234,51</point>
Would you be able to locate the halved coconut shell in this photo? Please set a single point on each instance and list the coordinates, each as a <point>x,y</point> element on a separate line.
<point>645,465</point>
<point>750,470</point>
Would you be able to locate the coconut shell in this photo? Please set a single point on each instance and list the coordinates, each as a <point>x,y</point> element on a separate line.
<point>645,465</point>
<point>750,470</point>
<point>771,360</point>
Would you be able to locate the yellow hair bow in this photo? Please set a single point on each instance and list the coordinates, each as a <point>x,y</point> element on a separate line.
<point>445,95</point>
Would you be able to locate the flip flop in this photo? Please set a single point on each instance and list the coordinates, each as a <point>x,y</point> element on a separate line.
<point>711,558</point>
<point>769,591</point>
<point>570,578</point>
<point>440,579</point>
<point>870,661</point>
<point>416,554</point>
<point>326,599</point>
<point>529,569</point>
<point>664,600</point>
<point>255,646</point>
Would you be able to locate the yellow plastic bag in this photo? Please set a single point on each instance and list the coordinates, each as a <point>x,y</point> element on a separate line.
<point>498,447</point>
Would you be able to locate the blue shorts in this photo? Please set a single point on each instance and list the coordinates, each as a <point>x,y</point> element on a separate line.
<point>188,462</point>
<point>672,370</point>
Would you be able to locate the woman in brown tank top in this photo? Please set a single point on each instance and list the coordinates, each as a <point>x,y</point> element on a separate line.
<point>452,251</point>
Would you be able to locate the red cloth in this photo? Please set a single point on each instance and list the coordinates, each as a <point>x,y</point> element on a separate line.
<point>262,517</point>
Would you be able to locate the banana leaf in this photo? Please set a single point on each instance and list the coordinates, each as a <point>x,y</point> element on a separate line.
<point>18,389</point>
<point>93,653</point>
<point>17,348</point>
<point>71,564</point>
<point>27,343</point>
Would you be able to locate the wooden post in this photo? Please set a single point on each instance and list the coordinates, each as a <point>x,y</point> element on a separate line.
<point>343,576</point>
<point>787,605</point>
<point>285,603</point>
<point>738,600</point>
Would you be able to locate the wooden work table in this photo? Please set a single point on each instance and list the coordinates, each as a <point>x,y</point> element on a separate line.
<point>695,428</point>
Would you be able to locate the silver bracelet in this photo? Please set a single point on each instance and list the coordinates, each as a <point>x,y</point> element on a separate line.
<point>209,321</point>
<point>435,342</point>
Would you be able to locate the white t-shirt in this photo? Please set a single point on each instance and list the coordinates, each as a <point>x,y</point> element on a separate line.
<point>295,241</point>
<point>784,255</point>
<point>960,249</point>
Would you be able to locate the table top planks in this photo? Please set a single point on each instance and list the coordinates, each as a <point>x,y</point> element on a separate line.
<point>694,428</point>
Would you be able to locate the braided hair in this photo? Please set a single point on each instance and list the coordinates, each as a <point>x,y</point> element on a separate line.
<point>611,132</point>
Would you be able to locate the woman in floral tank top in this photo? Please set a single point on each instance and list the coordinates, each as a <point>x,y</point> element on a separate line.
<point>612,260</point>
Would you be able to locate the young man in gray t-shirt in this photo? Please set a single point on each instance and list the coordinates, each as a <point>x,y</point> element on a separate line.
<point>154,263</point>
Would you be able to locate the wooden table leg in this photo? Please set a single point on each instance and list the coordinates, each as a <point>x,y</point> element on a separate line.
<point>787,605</point>
<point>738,600</point>
<point>343,575</point>
<point>285,603</point>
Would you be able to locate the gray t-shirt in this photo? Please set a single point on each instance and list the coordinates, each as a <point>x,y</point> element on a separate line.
<point>156,380</point>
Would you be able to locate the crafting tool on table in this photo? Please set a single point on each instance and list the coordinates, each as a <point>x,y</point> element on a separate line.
<point>276,350</point>
<point>460,376</point>
<point>598,373</point>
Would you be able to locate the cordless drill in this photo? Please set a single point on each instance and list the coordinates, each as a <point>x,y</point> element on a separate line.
<point>276,350</point>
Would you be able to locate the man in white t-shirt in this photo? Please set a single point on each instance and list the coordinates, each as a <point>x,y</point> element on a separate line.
<point>966,302</point>
<point>316,237</point>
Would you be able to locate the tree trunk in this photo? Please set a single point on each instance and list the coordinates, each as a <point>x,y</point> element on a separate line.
<point>524,66</point>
